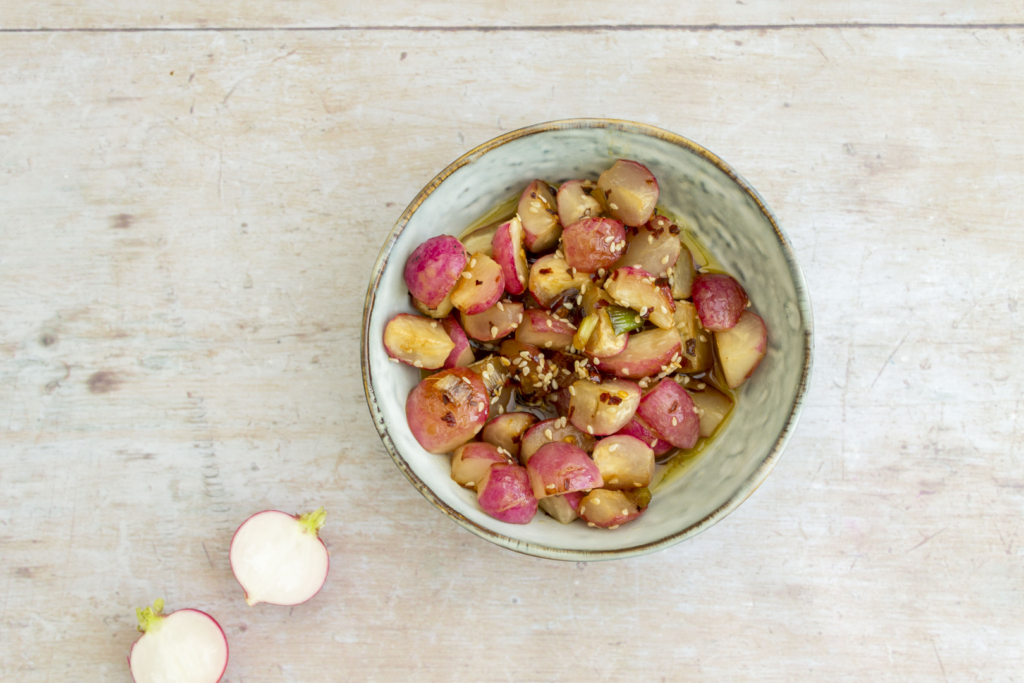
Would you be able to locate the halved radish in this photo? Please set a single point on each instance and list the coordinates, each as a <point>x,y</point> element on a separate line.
<point>507,251</point>
<point>544,330</point>
<point>648,354</point>
<point>442,310</point>
<point>562,508</point>
<point>697,353</point>
<point>551,276</point>
<point>187,646</point>
<point>447,409</point>
<point>462,354</point>
<point>500,320</point>
<point>601,342</point>
<point>641,430</point>
<point>607,509</point>
<point>279,558</point>
<point>556,430</point>
<point>625,462</point>
<point>682,276</point>
<point>654,247</point>
<point>741,348</point>
<point>719,299</point>
<point>507,431</point>
<point>471,460</point>
<point>635,288</point>
<point>539,216</point>
<point>417,341</point>
<point>601,409</point>
<point>495,376</point>
<point>593,243</point>
<point>558,468</point>
<point>630,190</point>
<point>480,286</point>
<point>669,410</point>
<point>505,494</point>
<point>576,200</point>
<point>712,405</point>
<point>433,268</point>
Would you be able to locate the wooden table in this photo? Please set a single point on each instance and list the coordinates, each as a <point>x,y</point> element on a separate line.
<point>192,195</point>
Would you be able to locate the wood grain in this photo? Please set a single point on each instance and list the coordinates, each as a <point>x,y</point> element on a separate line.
<point>189,221</point>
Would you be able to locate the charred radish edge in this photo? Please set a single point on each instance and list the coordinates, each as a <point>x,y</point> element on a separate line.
<point>462,354</point>
<point>505,494</point>
<point>447,409</point>
<point>278,558</point>
<point>507,251</point>
<point>507,431</point>
<point>536,210</point>
<point>607,509</point>
<point>498,321</point>
<point>593,243</point>
<point>186,645</point>
<point>559,467</point>
<point>669,410</point>
<point>640,497</point>
<point>552,431</point>
<point>631,192</point>
<point>433,268</point>
<point>471,460</point>
<point>417,341</point>
<point>719,299</point>
<point>741,348</point>
<point>625,462</point>
<point>602,409</point>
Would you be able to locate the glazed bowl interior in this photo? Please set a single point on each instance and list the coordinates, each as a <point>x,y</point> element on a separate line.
<point>724,214</point>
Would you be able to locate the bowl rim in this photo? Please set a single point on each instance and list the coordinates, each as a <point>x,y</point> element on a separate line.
<point>545,551</point>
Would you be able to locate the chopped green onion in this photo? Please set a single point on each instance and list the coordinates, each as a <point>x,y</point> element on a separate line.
<point>587,327</point>
<point>624,319</point>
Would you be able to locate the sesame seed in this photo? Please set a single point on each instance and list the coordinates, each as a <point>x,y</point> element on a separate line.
<point>703,338</point>
<point>495,400</point>
<point>636,484</point>
<point>638,319</point>
<point>505,361</point>
<point>393,360</point>
<point>583,289</point>
<point>472,263</point>
<point>612,449</point>
<point>547,345</point>
<point>554,385</point>
<point>694,410</point>
<point>601,272</point>
<point>470,483</point>
<point>613,207</point>
<point>701,385</point>
<point>597,501</point>
<point>613,481</point>
<point>638,266</point>
<point>494,331</point>
<point>550,324</point>
<point>569,306</point>
<point>549,434</point>
<point>654,443</point>
<point>625,371</point>
<point>550,486</point>
<point>614,526</point>
<point>625,511</point>
<point>481,407</point>
<point>417,364</point>
<point>534,209</point>
<point>467,275</point>
<point>664,259</point>
<point>524,354</point>
<point>467,381</point>
<point>433,324</point>
<point>675,422</point>
<point>686,380</point>
<point>591,524</point>
<point>526,370</point>
<point>590,430</point>
<point>664,309</point>
<point>500,306</point>
<point>583,508</point>
<point>535,203</point>
<point>748,305</point>
<point>572,390</point>
<point>650,239</point>
<point>643,311</point>
<point>501,410</point>
<point>597,361</point>
<point>520,317</point>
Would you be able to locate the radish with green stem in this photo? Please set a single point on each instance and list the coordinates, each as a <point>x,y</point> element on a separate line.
<point>186,646</point>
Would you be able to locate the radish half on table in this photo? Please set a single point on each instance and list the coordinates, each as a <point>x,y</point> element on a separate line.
<point>278,558</point>
<point>187,646</point>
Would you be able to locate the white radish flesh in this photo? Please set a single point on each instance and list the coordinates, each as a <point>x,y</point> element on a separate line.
<point>279,558</point>
<point>741,348</point>
<point>536,210</point>
<point>187,646</point>
<point>637,289</point>
<point>697,354</point>
<point>625,462</point>
<point>630,190</point>
<point>480,285</point>
<point>601,409</point>
<point>578,199</point>
<point>418,341</point>
<point>550,276</point>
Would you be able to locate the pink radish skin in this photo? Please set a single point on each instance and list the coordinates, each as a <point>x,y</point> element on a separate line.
<point>479,286</point>
<point>637,289</point>
<point>639,429</point>
<point>720,300</point>
<point>447,409</point>
<point>669,410</point>
<point>507,431</point>
<point>603,409</point>
<point>630,191</point>
<point>576,200</point>
<point>433,268</point>
<point>742,348</point>
<point>462,354</point>
<point>417,341</point>
<point>498,321</point>
<point>593,243</point>
<point>505,494</point>
<point>186,646</point>
<point>543,330</point>
<point>562,508</point>
<point>607,509</point>
<point>471,460</point>
<point>552,431</point>
<point>558,468</point>
<point>536,210</point>
<point>550,277</point>
<point>625,462</point>
<point>647,354</point>
<point>278,558</point>
<point>507,251</point>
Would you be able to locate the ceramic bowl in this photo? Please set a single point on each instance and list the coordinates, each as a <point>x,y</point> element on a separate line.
<point>726,215</point>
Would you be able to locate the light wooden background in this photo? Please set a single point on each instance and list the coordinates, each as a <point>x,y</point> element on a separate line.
<point>192,195</point>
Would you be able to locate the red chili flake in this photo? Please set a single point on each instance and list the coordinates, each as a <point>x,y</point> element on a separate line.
<point>545,271</point>
<point>673,407</point>
<point>449,419</point>
<point>615,400</point>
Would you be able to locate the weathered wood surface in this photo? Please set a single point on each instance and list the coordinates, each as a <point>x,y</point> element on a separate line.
<point>188,223</point>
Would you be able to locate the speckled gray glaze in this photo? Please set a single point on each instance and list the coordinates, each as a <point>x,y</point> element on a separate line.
<point>726,215</point>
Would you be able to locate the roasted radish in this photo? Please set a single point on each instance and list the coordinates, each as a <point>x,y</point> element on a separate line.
<point>719,299</point>
<point>641,430</point>
<point>625,462</point>
<point>741,348</point>
<point>654,247</point>
<point>681,277</point>
<point>447,409</point>
<point>557,430</point>
<point>481,238</point>
<point>506,495</point>
<point>186,646</point>
<point>539,215</point>
<point>417,341</point>
<point>544,330</point>
<point>480,285</point>
<point>670,412</point>
<point>607,509</point>
<point>471,460</point>
<point>630,190</point>
<point>601,409</point>
<point>433,268</point>
<point>558,468</point>
<point>498,321</point>
<point>601,341</point>
<point>712,405</point>
<point>577,199</point>
<point>562,508</point>
<point>279,558</point>
<point>698,355</point>
<point>551,277</point>
<point>442,310</point>
<point>507,251</point>
<point>593,243</point>
<point>635,288</point>
<point>506,431</point>
<point>650,353</point>
<point>462,354</point>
